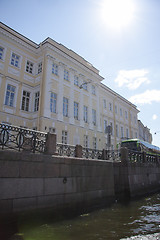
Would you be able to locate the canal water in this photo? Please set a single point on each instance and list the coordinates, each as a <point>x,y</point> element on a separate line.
<point>138,217</point>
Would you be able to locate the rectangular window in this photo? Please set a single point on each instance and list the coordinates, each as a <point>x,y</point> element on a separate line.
<point>53,102</point>
<point>94,116</point>
<point>66,75</point>
<point>126,114</point>
<point>105,126</point>
<point>55,69</point>
<point>64,137</point>
<point>121,112</point>
<point>94,143</point>
<point>84,86</point>
<point>76,81</point>
<point>111,124</point>
<point>76,110</point>
<point>36,101</point>
<point>29,67</point>
<point>110,107</point>
<point>39,67</point>
<point>25,101</point>
<point>1,52</point>
<point>93,90</point>
<point>127,133</point>
<point>116,109</point>
<point>15,60</point>
<point>85,118</point>
<point>117,132</point>
<point>121,132</point>
<point>104,104</point>
<point>65,107</point>
<point>85,141</point>
<point>10,93</point>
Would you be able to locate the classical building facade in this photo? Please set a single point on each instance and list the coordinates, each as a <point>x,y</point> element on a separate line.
<point>50,88</point>
<point>144,132</point>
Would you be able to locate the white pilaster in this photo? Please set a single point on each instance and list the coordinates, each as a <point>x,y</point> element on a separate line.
<point>60,92</point>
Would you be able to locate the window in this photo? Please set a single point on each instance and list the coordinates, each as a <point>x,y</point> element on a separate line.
<point>10,93</point>
<point>85,141</point>
<point>85,118</point>
<point>39,67</point>
<point>53,102</point>
<point>126,114</point>
<point>94,116</point>
<point>121,132</point>
<point>1,52</point>
<point>93,90</point>
<point>94,143</point>
<point>66,75</point>
<point>76,110</point>
<point>105,126</point>
<point>127,133</point>
<point>110,107</point>
<point>117,134</point>
<point>15,60</point>
<point>25,100</point>
<point>64,137</point>
<point>65,107</point>
<point>55,69</point>
<point>104,104</point>
<point>76,81</point>
<point>116,109</point>
<point>36,101</point>
<point>84,85</point>
<point>29,67</point>
<point>121,112</point>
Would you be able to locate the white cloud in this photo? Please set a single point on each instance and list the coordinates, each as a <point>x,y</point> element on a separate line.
<point>148,96</point>
<point>154,117</point>
<point>132,79</point>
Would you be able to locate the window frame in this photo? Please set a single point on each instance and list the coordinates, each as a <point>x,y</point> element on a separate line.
<point>25,102</point>
<point>53,102</point>
<point>10,101</point>
<point>65,106</point>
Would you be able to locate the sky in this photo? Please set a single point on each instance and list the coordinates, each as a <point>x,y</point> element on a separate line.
<point>121,38</point>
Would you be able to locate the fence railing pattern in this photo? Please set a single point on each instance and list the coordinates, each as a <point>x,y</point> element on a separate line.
<point>134,156</point>
<point>65,150</point>
<point>17,138</point>
<point>91,153</point>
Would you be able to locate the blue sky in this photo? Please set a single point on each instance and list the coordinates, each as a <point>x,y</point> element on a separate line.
<point>126,53</point>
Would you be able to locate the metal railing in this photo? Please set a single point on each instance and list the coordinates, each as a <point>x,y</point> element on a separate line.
<point>91,153</point>
<point>17,138</point>
<point>134,156</point>
<point>65,150</point>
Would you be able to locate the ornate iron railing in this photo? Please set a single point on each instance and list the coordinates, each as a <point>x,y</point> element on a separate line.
<point>91,153</point>
<point>151,158</point>
<point>113,155</point>
<point>65,150</point>
<point>17,138</point>
<point>134,156</point>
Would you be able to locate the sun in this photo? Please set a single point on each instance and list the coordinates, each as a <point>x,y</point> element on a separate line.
<point>117,14</point>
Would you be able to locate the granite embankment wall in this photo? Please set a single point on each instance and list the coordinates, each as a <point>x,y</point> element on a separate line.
<point>35,181</point>
<point>31,181</point>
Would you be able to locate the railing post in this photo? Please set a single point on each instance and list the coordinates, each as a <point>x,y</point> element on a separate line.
<point>78,151</point>
<point>104,154</point>
<point>144,156</point>
<point>124,155</point>
<point>51,143</point>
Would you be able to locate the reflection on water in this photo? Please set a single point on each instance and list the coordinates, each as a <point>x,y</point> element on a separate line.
<point>118,221</point>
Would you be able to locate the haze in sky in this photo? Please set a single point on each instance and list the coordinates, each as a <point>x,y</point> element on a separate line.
<point>120,37</point>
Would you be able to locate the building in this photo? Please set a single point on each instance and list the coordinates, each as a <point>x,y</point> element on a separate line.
<point>144,132</point>
<point>50,88</point>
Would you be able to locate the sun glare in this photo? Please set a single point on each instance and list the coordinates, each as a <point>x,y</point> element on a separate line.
<point>117,14</point>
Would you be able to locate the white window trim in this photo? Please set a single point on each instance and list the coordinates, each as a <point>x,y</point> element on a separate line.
<point>20,59</point>
<point>16,92</point>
